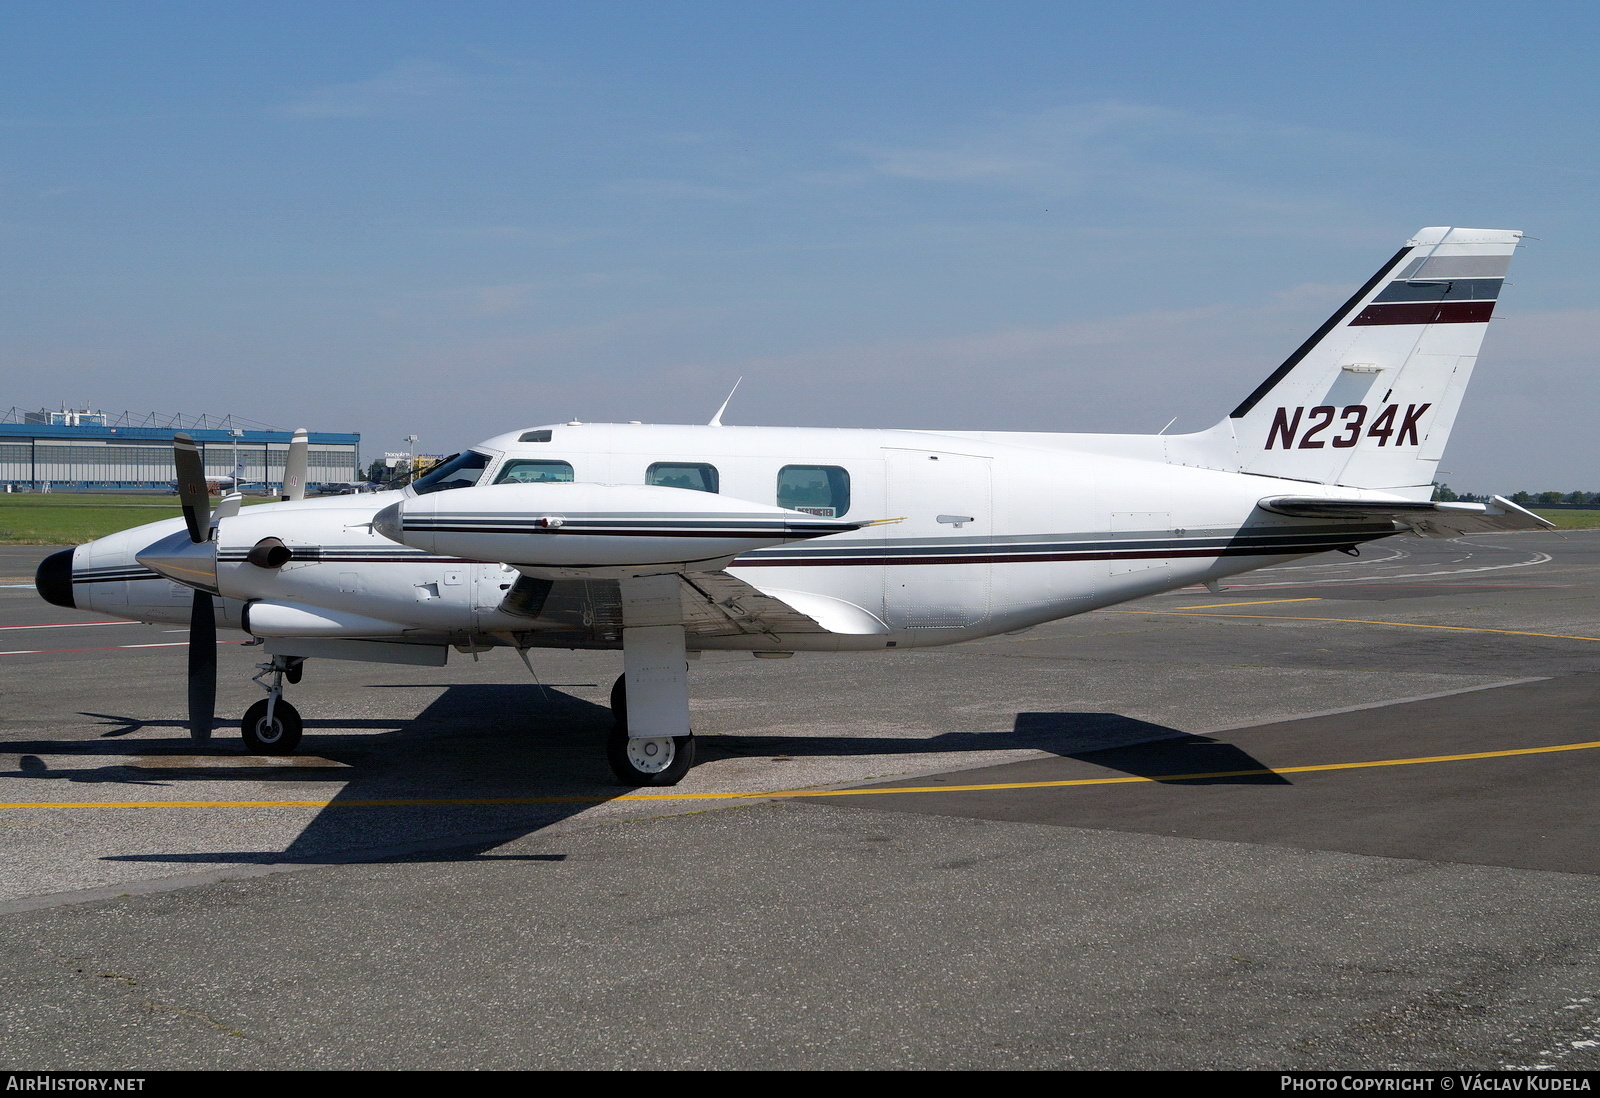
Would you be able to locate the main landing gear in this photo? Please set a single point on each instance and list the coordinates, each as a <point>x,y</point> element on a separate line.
<point>651,742</point>
<point>656,760</point>
<point>272,726</point>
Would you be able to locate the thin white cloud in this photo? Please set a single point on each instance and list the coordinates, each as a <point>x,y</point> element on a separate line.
<point>506,299</point>
<point>1048,148</point>
<point>1097,140</point>
<point>1205,170</point>
<point>1158,338</point>
<point>408,88</point>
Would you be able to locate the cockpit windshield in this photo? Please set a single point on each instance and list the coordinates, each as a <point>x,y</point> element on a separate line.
<point>460,471</point>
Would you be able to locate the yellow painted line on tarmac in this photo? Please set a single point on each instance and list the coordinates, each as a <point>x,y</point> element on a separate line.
<point>1260,602</point>
<point>1360,621</point>
<point>788,793</point>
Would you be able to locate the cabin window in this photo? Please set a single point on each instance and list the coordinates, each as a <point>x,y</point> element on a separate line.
<point>815,489</point>
<point>529,471</point>
<point>682,474</point>
<point>456,471</point>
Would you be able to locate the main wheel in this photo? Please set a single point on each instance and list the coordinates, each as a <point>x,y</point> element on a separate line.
<point>279,737</point>
<point>619,703</point>
<point>661,761</point>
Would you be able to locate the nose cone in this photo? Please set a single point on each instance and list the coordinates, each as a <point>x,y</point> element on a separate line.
<point>180,559</point>
<point>53,580</point>
<point>386,523</point>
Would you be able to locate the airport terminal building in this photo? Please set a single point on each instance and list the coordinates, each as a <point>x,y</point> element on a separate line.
<point>49,450</point>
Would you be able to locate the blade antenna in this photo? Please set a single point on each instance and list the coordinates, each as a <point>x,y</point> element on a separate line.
<point>523,653</point>
<point>716,420</point>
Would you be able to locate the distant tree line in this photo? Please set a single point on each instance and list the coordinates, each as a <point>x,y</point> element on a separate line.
<point>1443,493</point>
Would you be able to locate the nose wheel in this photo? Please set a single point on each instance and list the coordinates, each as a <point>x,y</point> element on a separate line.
<point>274,733</point>
<point>272,726</point>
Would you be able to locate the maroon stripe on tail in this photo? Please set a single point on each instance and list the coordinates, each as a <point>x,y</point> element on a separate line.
<point>1426,312</point>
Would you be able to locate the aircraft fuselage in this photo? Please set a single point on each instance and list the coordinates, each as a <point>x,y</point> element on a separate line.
<point>996,536</point>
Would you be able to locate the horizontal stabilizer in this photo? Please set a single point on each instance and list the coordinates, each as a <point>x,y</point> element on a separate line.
<point>1425,519</point>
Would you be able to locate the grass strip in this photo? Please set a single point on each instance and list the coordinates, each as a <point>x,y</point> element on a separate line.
<point>70,518</point>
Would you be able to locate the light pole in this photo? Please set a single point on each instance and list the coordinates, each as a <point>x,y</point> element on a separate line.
<point>411,456</point>
<point>237,435</point>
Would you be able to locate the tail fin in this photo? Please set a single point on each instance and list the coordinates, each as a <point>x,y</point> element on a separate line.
<point>1369,400</point>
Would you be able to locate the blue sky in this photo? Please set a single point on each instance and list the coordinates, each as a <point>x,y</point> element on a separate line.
<point>453,220</point>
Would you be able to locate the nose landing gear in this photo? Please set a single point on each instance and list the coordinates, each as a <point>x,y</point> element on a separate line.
<point>272,726</point>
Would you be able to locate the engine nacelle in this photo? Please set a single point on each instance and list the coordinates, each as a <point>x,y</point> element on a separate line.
<point>283,619</point>
<point>577,525</point>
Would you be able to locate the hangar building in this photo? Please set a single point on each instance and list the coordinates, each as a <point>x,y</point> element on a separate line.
<point>84,449</point>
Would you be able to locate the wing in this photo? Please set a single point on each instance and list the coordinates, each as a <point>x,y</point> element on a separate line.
<point>1423,518</point>
<point>573,542</point>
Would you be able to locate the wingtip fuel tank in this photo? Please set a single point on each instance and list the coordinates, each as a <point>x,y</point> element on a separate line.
<point>578,525</point>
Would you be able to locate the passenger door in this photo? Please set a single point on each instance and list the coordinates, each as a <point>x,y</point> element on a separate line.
<point>947,503</point>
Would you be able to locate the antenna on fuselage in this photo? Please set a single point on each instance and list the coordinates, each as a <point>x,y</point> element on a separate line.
<point>716,420</point>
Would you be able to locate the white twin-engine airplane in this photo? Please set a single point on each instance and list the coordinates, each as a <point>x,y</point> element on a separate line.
<point>668,540</point>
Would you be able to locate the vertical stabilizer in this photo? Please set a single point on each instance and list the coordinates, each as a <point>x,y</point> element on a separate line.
<point>1369,400</point>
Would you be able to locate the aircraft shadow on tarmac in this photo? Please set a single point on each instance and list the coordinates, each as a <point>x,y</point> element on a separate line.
<point>483,741</point>
<point>1135,747</point>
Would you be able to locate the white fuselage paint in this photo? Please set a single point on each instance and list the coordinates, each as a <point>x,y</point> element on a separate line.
<point>996,536</point>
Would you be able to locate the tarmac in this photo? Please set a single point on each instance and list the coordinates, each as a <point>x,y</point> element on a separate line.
<point>1338,816</point>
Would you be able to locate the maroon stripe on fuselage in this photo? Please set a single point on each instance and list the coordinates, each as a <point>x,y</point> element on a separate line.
<point>1024,557</point>
<point>1426,312</point>
<point>647,532</point>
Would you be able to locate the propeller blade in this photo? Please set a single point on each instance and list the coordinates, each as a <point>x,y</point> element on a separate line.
<point>192,493</point>
<point>296,466</point>
<point>202,667</point>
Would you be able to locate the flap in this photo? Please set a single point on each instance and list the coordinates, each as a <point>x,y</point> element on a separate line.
<point>751,609</point>
<point>711,604</point>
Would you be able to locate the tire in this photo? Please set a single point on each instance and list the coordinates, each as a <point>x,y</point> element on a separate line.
<point>292,673</point>
<point>280,738</point>
<point>661,761</point>
<point>619,704</point>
